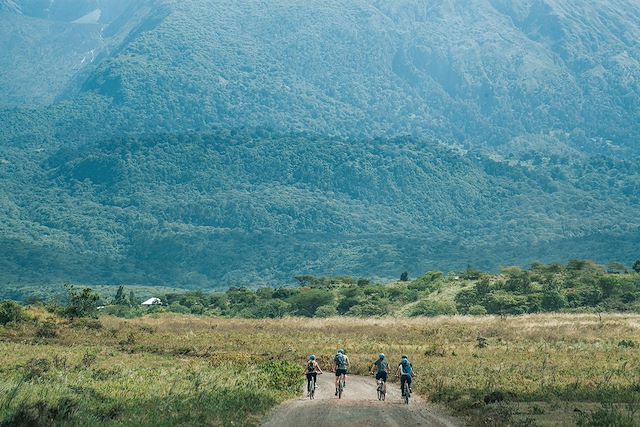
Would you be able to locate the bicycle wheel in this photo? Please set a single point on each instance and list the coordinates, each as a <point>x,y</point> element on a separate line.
<point>379,391</point>
<point>384,390</point>
<point>406,393</point>
<point>340,386</point>
<point>312,391</point>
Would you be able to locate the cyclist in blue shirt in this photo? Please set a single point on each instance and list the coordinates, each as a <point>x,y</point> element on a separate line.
<point>405,372</point>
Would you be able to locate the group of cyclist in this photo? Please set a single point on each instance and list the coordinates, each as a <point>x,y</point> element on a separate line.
<point>380,368</point>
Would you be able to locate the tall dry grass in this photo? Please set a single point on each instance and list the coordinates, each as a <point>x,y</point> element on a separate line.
<point>547,362</point>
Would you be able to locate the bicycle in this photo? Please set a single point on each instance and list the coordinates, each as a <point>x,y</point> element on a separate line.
<point>382,389</point>
<point>340,386</point>
<point>406,393</point>
<point>311,389</point>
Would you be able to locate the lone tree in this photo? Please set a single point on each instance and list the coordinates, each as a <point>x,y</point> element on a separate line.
<point>119,299</point>
<point>81,303</point>
<point>404,277</point>
<point>636,266</point>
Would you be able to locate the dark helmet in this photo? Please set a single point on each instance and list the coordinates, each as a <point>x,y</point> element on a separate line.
<point>312,357</point>
<point>381,356</point>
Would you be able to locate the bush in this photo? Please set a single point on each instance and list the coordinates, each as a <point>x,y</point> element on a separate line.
<point>42,413</point>
<point>35,369</point>
<point>47,329</point>
<point>433,308</point>
<point>367,309</point>
<point>81,303</point>
<point>477,310</point>
<point>10,311</point>
<point>281,375</point>
<point>326,311</point>
<point>608,416</point>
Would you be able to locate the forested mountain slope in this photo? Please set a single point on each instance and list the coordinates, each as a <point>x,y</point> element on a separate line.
<point>200,209</point>
<point>488,72</point>
<point>205,142</point>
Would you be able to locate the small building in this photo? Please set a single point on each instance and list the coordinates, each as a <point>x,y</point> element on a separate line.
<point>152,301</point>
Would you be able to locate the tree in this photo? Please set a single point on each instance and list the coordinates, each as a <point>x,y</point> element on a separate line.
<point>404,277</point>
<point>81,303</point>
<point>465,299</point>
<point>553,300</point>
<point>132,299</point>
<point>308,300</point>
<point>119,299</point>
<point>636,266</point>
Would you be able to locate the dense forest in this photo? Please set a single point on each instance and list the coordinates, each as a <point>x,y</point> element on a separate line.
<point>185,145</point>
<point>229,209</point>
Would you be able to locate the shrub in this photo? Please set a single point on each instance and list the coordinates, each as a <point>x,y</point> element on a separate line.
<point>367,309</point>
<point>326,311</point>
<point>608,415</point>
<point>81,303</point>
<point>47,329</point>
<point>42,413</point>
<point>433,308</point>
<point>36,368</point>
<point>281,375</point>
<point>477,310</point>
<point>10,311</point>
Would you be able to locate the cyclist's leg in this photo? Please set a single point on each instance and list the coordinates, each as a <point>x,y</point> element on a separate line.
<point>315,379</point>
<point>403,378</point>
<point>409,382</point>
<point>309,376</point>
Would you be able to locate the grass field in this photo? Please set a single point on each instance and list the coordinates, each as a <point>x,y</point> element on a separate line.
<point>173,370</point>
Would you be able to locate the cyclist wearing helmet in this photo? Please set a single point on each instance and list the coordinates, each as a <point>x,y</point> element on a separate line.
<point>405,372</point>
<point>312,370</point>
<point>340,367</point>
<point>381,368</point>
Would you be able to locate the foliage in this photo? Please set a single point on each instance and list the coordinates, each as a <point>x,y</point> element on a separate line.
<point>10,311</point>
<point>154,152</point>
<point>340,202</point>
<point>82,303</point>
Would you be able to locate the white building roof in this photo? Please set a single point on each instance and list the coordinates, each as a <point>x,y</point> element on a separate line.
<point>152,301</point>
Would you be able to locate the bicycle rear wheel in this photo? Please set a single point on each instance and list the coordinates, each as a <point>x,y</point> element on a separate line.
<point>340,386</point>
<point>407,394</point>
<point>312,391</point>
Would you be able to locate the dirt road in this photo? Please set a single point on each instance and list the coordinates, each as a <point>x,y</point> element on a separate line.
<point>359,406</point>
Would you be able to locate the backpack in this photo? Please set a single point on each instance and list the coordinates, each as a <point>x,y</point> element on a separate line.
<point>405,368</point>
<point>341,361</point>
<point>311,367</point>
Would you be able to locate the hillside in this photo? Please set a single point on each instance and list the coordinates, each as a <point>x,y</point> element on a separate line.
<point>196,210</point>
<point>213,142</point>
<point>556,72</point>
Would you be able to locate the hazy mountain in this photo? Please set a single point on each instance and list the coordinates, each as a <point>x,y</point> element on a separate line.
<point>199,142</point>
